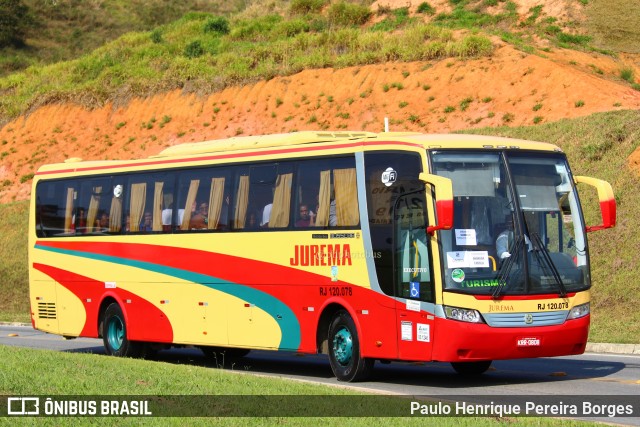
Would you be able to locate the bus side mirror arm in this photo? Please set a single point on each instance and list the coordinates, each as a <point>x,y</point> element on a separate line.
<point>607,201</point>
<point>444,201</point>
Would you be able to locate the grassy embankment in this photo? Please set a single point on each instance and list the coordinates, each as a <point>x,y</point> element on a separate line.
<point>29,372</point>
<point>203,53</point>
<point>597,146</point>
<point>62,30</point>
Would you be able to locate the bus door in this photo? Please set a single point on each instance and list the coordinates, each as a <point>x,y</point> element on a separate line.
<point>413,282</point>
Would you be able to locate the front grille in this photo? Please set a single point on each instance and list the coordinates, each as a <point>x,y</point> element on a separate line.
<point>47,310</point>
<point>517,320</point>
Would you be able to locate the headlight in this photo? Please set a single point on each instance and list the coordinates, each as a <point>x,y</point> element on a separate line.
<point>463,314</point>
<point>579,311</point>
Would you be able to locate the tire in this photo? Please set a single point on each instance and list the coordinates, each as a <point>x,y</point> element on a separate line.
<point>344,350</point>
<point>114,335</point>
<point>471,368</point>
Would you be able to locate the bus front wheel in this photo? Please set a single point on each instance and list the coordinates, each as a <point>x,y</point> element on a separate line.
<point>114,335</point>
<point>471,368</point>
<point>344,350</point>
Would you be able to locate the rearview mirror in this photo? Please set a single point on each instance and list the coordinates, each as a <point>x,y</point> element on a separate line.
<point>607,201</point>
<point>444,201</point>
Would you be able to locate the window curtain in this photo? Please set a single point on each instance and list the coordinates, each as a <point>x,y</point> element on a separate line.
<point>158,197</point>
<point>324,199</point>
<point>346,196</point>
<point>68,211</point>
<point>242,200</point>
<point>281,202</point>
<point>138,198</point>
<point>94,205</point>
<point>191,199</point>
<point>115,215</point>
<point>216,198</point>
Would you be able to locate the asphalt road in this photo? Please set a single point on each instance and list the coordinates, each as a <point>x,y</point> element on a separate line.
<point>590,376</point>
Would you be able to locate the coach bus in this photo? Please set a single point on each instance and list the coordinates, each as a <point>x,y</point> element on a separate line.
<point>363,246</point>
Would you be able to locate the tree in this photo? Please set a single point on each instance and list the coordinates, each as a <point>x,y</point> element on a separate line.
<point>14,22</point>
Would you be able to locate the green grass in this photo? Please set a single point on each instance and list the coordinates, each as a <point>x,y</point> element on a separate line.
<point>29,372</point>
<point>14,299</point>
<point>212,53</point>
<point>63,30</point>
<point>614,25</point>
<point>217,44</point>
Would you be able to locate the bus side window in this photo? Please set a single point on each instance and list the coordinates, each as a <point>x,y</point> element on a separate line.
<point>327,187</point>
<point>264,196</point>
<point>56,209</point>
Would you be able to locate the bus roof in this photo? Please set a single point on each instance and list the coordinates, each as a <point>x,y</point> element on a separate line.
<point>260,144</point>
<point>315,137</point>
<point>261,141</point>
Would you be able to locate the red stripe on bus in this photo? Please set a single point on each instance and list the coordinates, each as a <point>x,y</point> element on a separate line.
<point>145,322</point>
<point>295,288</point>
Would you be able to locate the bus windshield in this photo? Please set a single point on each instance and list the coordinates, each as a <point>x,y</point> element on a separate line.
<point>518,227</point>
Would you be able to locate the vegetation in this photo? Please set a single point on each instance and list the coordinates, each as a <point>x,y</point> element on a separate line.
<point>613,26</point>
<point>216,44</point>
<point>14,301</point>
<point>197,48</point>
<point>14,21</point>
<point>45,31</point>
<point>28,372</point>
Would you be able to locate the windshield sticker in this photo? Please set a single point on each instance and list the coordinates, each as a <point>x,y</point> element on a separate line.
<point>457,275</point>
<point>389,176</point>
<point>468,259</point>
<point>466,237</point>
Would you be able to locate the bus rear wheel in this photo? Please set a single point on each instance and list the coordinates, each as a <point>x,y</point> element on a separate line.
<point>344,350</point>
<point>114,335</point>
<point>471,368</point>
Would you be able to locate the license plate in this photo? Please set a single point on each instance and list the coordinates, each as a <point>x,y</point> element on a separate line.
<point>528,342</point>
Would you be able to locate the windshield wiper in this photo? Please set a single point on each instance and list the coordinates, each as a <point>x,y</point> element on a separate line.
<point>539,247</point>
<point>506,267</point>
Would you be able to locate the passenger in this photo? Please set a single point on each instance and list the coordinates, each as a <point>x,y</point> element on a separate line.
<point>505,241</point>
<point>266,214</point>
<point>81,221</point>
<point>103,222</point>
<point>167,213</point>
<point>200,218</point>
<point>307,217</point>
<point>147,222</point>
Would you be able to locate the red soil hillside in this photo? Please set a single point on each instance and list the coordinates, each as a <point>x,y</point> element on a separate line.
<point>502,89</point>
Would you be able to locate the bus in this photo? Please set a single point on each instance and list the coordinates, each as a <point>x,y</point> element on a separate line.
<point>363,246</point>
